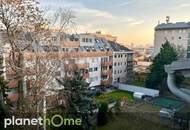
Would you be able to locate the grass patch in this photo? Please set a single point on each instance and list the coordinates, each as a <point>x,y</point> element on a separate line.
<point>131,122</point>
<point>115,95</point>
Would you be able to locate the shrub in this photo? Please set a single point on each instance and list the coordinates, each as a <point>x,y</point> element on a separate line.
<point>102,114</point>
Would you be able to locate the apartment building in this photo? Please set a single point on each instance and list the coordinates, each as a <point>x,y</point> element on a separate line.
<point>178,34</point>
<point>122,63</point>
<point>88,53</point>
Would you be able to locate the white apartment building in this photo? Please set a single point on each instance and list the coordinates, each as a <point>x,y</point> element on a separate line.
<point>178,34</point>
<point>94,70</point>
<point>122,63</point>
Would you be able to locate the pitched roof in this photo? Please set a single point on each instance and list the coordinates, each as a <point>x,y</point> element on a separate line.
<point>117,47</point>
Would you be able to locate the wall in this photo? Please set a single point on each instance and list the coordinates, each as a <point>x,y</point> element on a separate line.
<point>173,36</point>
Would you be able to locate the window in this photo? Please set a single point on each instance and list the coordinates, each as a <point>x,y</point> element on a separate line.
<point>115,56</point>
<point>125,55</point>
<point>115,64</point>
<point>179,37</point>
<point>86,39</point>
<point>120,71</point>
<point>90,69</point>
<point>83,39</point>
<point>96,69</point>
<point>118,63</point>
<point>188,48</point>
<point>188,55</point>
<point>104,77</point>
<point>90,40</point>
<point>121,55</point>
<point>115,72</point>
<point>104,59</point>
<point>93,79</point>
<point>93,60</point>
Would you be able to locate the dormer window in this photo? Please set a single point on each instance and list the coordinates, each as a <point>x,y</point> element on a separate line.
<point>93,49</point>
<point>88,49</point>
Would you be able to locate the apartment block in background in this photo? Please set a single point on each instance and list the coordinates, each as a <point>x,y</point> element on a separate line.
<point>178,34</point>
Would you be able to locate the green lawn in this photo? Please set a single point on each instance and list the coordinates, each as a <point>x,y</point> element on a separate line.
<point>115,95</point>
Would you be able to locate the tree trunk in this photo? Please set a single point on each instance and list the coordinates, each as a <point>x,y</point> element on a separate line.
<point>20,82</point>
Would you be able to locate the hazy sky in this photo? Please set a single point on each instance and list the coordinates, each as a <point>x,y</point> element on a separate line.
<point>132,21</point>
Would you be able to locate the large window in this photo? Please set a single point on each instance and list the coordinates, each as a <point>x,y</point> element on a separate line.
<point>96,69</point>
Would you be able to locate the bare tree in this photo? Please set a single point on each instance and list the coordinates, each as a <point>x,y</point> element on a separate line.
<point>27,34</point>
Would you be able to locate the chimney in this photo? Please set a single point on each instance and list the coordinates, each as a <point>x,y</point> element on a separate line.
<point>167,19</point>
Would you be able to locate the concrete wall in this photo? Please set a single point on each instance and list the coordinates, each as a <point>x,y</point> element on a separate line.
<point>132,88</point>
<point>177,37</point>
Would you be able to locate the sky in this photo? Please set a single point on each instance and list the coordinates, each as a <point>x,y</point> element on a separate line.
<point>132,21</point>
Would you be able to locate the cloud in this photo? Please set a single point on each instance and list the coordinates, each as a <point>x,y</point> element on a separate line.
<point>123,4</point>
<point>184,5</point>
<point>94,13</point>
<point>137,22</point>
<point>180,6</point>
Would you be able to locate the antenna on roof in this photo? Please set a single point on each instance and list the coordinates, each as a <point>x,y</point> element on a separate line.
<point>167,19</point>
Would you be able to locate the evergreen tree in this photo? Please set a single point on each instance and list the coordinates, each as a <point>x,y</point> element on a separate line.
<point>79,100</point>
<point>157,77</point>
<point>102,117</point>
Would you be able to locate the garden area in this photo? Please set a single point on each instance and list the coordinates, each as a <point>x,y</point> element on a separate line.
<point>115,96</point>
<point>126,121</point>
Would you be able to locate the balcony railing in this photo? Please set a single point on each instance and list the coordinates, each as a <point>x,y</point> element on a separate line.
<point>106,82</point>
<point>107,63</point>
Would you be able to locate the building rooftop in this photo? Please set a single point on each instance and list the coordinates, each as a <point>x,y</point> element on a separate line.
<point>178,25</point>
<point>117,47</point>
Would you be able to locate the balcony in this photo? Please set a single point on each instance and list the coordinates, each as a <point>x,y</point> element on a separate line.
<point>73,66</point>
<point>82,66</point>
<point>106,82</point>
<point>107,63</point>
<point>107,72</point>
<point>13,84</point>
